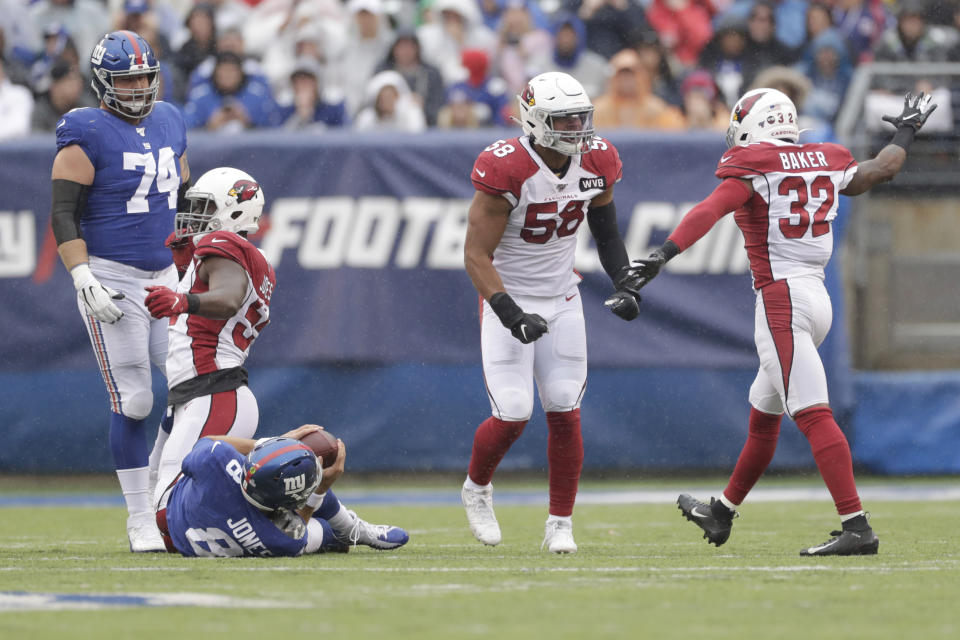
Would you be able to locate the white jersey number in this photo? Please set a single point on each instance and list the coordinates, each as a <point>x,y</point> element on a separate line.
<point>213,543</point>
<point>163,168</point>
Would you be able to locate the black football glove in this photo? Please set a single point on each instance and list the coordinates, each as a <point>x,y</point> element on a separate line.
<point>625,302</point>
<point>525,327</point>
<point>916,109</point>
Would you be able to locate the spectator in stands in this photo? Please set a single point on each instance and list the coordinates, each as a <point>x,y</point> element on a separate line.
<point>763,49</point>
<point>684,27</point>
<point>15,67</point>
<point>612,25</point>
<point>57,45</point>
<point>912,39</point>
<point>16,106</point>
<point>819,19</point>
<point>229,41</point>
<point>827,65</point>
<point>724,57</point>
<point>66,91</point>
<point>491,11</point>
<point>84,20</point>
<point>523,51</point>
<point>309,109</point>
<point>630,101</point>
<point>861,22</point>
<point>701,107</point>
<point>460,110</point>
<point>201,45</point>
<point>788,16</point>
<point>654,56</point>
<point>20,40</point>
<point>570,54</point>
<point>455,27</point>
<point>230,14</point>
<point>390,107</point>
<point>485,89</point>
<point>369,40</point>
<point>424,79</point>
<point>230,101</point>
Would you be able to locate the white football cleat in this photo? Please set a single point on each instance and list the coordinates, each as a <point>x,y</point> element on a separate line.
<point>558,537</point>
<point>143,533</point>
<point>479,506</point>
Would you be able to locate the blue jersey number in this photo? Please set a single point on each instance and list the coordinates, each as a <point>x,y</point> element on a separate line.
<point>163,168</point>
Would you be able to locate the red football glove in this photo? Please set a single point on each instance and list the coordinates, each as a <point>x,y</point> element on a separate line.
<point>182,251</point>
<point>164,302</point>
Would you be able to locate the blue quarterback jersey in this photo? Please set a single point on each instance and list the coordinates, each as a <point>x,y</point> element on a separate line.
<point>208,516</point>
<point>133,199</point>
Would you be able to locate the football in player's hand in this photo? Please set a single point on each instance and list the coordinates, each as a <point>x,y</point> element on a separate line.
<point>324,445</point>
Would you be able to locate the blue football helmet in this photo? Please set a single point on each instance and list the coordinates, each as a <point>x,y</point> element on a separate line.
<point>125,53</point>
<point>280,473</point>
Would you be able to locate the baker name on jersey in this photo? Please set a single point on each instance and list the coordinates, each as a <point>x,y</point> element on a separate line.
<point>802,160</point>
<point>586,184</point>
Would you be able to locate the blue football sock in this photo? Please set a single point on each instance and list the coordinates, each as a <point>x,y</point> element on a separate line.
<point>128,442</point>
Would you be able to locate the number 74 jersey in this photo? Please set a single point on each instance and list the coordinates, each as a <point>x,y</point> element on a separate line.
<point>537,251</point>
<point>786,224</point>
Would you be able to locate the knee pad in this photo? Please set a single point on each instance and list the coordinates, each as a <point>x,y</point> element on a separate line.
<point>137,405</point>
<point>561,395</point>
<point>513,406</point>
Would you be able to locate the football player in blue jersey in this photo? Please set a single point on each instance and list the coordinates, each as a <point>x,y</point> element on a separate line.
<point>117,177</point>
<point>268,497</point>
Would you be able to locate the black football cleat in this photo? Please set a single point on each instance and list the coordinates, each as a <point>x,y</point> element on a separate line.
<point>715,518</point>
<point>855,539</point>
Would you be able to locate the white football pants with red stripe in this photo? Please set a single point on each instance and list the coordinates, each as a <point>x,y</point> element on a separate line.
<point>228,413</point>
<point>793,317</point>
<point>557,361</point>
<point>125,349</point>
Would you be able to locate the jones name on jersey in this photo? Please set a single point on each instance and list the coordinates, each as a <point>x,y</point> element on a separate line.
<point>537,251</point>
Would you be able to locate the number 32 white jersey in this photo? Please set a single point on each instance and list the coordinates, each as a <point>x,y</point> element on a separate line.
<point>786,224</point>
<point>537,251</point>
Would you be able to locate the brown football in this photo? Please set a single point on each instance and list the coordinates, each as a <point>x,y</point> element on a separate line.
<point>324,445</point>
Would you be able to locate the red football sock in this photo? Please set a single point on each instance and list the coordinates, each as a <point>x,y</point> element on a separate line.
<point>565,455</point>
<point>832,454</point>
<point>764,429</point>
<point>490,443</point>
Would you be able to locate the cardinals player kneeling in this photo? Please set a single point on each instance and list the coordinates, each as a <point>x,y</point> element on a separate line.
<point>533,193</point>
<point>219,308</point>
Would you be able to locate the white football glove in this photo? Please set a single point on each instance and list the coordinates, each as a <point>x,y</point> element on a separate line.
<point>97,298</point>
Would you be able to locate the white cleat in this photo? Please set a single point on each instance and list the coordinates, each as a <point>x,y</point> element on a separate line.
<point>479,506</point>
<point>143,534</point>
<point>558,537</point>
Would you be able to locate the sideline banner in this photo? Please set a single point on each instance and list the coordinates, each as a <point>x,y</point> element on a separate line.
<point>366,234</point>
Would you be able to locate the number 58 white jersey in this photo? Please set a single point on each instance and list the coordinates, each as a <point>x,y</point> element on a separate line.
<point>537,251</point>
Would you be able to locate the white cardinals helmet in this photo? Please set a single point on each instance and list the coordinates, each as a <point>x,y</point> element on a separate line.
<point>556,111</point>
<point>223,199</point>
<point>762,114</point>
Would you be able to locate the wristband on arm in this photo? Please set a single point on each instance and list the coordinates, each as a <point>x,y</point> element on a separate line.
<point>904,137</point>
<point>182,203</point>
<point>506,309</point>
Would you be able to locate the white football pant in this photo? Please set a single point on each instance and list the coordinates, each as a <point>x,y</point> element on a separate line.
<point>557,361</point>
<point>793,317</point>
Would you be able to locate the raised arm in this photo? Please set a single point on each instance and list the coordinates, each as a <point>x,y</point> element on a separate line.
<point>888,162</point>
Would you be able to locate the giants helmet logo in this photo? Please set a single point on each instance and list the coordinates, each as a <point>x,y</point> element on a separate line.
<point>743,109</point>
<point>244,190</point>
<point>527,96</point>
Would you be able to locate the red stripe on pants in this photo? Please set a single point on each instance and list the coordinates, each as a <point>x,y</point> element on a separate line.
<point>778,309</point>
<point>222,414</point>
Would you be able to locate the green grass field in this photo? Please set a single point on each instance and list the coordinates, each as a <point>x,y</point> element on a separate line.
<point>641,572</point>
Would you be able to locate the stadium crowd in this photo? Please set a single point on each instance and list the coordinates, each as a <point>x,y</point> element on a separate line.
<point>405,65</point>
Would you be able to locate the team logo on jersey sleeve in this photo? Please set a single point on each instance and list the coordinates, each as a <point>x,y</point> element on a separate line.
<point>244,190</point>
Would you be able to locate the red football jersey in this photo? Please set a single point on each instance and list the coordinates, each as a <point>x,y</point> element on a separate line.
<point>199,345</point>
<point>537,251</point>
<point>786,224</point>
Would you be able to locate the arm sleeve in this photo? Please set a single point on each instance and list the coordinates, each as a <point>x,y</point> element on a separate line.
<point>603,226</point>
<point>727,197</point>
